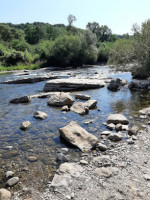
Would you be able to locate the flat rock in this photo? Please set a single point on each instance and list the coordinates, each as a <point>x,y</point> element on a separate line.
<point>13,181</point>
<point>24,99</point>
<point>90,104</point>
<point>77,136</point>
<point>82,96</point>
<point>60,99</point>
<point>73,169</point>
<point>73,84</point>
<point>5,194</point>
<point>40,115</point>
<point>25,125</point>
<point>30,79</point>
<point>117,119</point>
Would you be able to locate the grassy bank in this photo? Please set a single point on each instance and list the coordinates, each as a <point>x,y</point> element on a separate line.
<point>20,67</point>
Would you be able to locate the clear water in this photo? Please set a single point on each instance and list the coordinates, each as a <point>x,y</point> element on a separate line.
<point>42,138</point>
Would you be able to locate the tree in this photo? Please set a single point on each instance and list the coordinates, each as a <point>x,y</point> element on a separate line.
<point>71,19</point>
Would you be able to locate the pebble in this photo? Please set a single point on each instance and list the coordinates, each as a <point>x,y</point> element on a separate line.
<point>13,181</point>
<point>9,174</point>
<point>32,158</point>
<point>83,162</point>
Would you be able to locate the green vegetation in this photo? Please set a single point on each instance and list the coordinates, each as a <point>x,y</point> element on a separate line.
<point>135,50</point>
<point>28,45</point>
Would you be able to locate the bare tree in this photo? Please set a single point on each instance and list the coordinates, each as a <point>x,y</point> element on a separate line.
<point>71,19</point>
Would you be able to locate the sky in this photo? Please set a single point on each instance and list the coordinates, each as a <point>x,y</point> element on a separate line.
<point>119,15</point>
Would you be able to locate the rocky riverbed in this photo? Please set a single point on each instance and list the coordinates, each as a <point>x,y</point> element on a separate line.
<point>47,166</point>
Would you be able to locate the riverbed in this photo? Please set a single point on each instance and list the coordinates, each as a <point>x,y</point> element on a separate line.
<point>42,138</point>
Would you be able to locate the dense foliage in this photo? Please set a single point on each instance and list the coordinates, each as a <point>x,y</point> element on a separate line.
<point>55,45</point>
<point>134,50</point>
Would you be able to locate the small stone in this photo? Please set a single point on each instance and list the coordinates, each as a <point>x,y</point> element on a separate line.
<point>99,109</point>
<point>89,122</point>
<point>130,141</point>
<point>134,137</point>
<point>9,147</point>
<point>111,126</point>
<point>115,137</point>
<point>106,133</point>
<point>65,108</point>
<point>125,128</point>
<point>68,197</point>
<point>9,174</point>
<point>32,158</point>
<point>13,181</point>
<point>25,125</point>
<point>118,127</point>
<point>40,115</point>
<point>83,162</point>
<point>101,146</point>
<point>5,194</point>
<point>82,96</point>
<point>133,130</point>
<point>147,177</point>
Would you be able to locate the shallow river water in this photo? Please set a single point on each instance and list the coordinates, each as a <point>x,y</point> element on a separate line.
<point>42,138</point>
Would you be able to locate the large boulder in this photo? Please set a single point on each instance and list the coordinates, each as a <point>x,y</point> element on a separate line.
<point>60,99</point>
<point>145,111</point>
<point>117,119</point>
<point>77,136</point>
<point>71,84</point>
<point>24,99</point>
<point>115,84</point>
<point>139,84</point>
<point>5,194</point>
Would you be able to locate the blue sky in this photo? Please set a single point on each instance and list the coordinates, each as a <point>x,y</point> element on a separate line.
<point>119,15</point>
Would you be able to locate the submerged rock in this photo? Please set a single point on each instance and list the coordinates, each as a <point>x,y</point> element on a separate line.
<point>60,99</point>
<point>116,119</point>
<point>40,115</point>
<point>72,84</point>
<point>77,136</point>
<point>5,194</point>
<point>24,99</point>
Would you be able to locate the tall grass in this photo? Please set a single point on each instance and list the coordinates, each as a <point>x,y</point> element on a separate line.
<point>20,67</point>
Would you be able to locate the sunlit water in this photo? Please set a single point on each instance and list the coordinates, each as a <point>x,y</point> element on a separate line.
<point>42,138</point>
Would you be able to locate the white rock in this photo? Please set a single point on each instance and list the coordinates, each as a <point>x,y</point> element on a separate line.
<point>40,115</point>
<point>5,194</point>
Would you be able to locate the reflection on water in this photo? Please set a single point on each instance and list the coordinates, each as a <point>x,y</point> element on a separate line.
<point>42,138</point>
